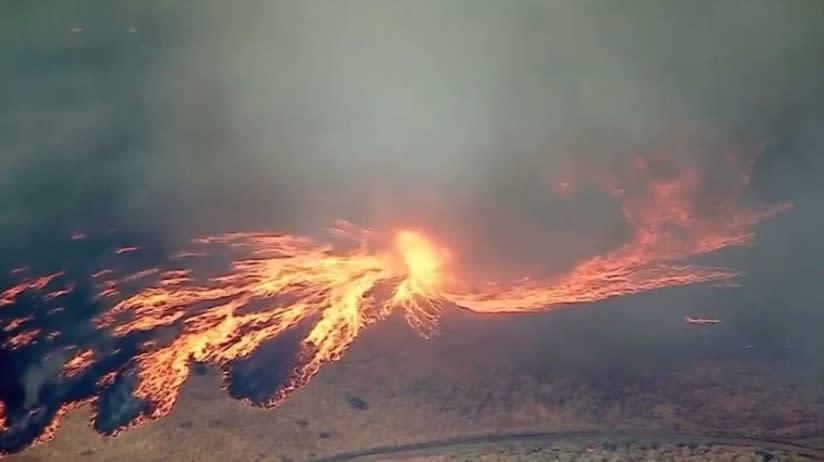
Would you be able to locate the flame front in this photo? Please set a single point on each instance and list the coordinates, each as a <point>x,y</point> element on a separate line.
<point>667,230</point>
<point>296,280</point>
<point>419,293</point>
<point>280,282</point>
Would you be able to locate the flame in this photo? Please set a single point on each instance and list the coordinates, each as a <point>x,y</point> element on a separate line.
<point>337,289</point>
<point>127,249</point>
<point>50,430</point>
<point>282,282</point>
<point>3,425</point>
<point>667,230</point>
<point>701,320</point>
<point>419,293</point>
<point>77,363</point>
<point>8,296</point>
<point>21,339</point>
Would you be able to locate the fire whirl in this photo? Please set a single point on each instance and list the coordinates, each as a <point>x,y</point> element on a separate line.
<point>278,283</point>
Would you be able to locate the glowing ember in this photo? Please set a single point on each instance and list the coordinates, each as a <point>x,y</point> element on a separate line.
<point>702,321</point>
<point>127,249</point>
<point>16,322</point>
<point>102,273</point>
<point>3,425</point>
<point>280,282</point>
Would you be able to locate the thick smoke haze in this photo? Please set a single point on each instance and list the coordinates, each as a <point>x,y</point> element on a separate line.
<point>173,119</point>
<point>290,114</point>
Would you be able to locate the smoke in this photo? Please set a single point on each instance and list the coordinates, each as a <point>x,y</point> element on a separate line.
<point>39,374</point>
<point>465,115</point>
<point>295,113</point>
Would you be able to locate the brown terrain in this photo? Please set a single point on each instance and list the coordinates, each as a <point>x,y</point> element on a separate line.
<point>614,453</point>
<point>480,380</point>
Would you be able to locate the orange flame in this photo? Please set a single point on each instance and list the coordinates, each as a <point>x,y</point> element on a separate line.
<point>21,339</point>
<point>284,281</point>
<point>667,230</point>
<point>3,425</point>
<point>8,296</point>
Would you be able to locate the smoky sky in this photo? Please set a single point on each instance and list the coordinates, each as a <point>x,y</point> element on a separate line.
<point>175,119</point>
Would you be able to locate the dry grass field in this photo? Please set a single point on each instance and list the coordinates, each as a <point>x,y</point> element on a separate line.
<point>479,377</point>
<point>571,453</point>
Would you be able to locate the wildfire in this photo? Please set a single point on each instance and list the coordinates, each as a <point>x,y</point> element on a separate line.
<point>298,280</point>
<point>667,230</point>
<point>282,282</point>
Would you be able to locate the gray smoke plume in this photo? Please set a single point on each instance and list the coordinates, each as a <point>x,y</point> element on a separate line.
<point>291,114</point>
